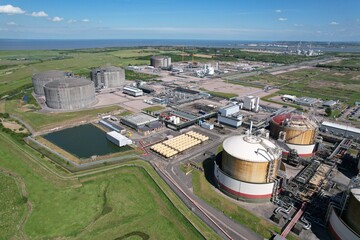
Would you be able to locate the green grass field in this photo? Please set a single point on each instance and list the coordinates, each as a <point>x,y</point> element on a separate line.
<point>40,121</point>
<point>12,206</point>
<point>101,206</point>
<point>318,83</point>
<point>221,94</point>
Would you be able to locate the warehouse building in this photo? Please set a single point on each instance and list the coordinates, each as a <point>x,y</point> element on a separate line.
<point>340,130</point>
<point>142,123</point>
<point>118,139</point>
<point>40,79</point>
<point>108,77</point>
<point>160,61</point>
<point>69,93</point>
<point>133,91</point>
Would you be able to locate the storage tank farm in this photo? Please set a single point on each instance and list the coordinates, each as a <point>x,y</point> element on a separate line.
<point>40,79</point>
<point>248,167</point>
<point>296,131</point>
<point>69,93</point>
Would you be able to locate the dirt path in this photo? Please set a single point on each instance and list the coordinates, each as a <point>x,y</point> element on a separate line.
<point>20,182</point>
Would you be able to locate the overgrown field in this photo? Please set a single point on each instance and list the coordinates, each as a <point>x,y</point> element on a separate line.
<point>101,206</point>
<point>319,83</point>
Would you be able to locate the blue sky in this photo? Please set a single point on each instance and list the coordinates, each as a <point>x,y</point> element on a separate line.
<point>304,20</point>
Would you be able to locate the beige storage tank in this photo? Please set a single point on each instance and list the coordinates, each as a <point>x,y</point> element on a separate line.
<point>298,129</point>
<point>249,158</point>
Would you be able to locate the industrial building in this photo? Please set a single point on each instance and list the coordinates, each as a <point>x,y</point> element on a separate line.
<point>306,101</point>
<point>298,132</point>
<point>230,116</point>
<point>69,93</point>
<point>112,126</point>
<point>108,77</point>
<point>340,130</point>
<point>247,168</point>
<point>142,123</point>
<point>160,61</point>
<point>118,139</point>
<point>133,91</point>
<point>251,103</point>
<point>40,79</point>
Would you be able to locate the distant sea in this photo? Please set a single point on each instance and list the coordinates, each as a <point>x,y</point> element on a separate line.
<point>48,44</point>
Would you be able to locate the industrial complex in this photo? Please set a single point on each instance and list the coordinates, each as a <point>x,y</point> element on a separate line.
<point>303,165</point>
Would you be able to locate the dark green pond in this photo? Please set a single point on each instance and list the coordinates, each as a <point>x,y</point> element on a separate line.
<point>84,141</point>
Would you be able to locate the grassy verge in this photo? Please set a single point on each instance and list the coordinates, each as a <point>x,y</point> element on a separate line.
<point>221,94</point>
<point>153,108</point>
<point>267,99</point>
<point>205,190</point>
<point>41,121</point>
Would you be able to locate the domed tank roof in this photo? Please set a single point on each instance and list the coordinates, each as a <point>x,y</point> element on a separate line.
<point>356,193</point>
<point>68,83</point>
<point>251,148</point>
<point>294,121</point>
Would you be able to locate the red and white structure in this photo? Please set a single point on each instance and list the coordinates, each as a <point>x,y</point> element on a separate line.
<point>248,167</point>
<point>298,132</point>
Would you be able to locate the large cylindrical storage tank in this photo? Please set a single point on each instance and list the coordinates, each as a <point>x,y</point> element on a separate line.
<point>248,167</point>
<point>297,131</point>
<point>160,61</point>
<point>108,77</point>
<point>69,93</point>
<point>352,213</point>
<point>40,79</point>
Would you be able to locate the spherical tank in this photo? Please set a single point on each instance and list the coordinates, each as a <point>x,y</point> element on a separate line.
<point>352,213</point>
<point>249,158</point>
<point>40,79</point>
<point>69,93</point>
<point>296,129</point>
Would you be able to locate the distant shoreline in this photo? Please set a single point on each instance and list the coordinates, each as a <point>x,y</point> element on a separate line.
<point>68,44</point>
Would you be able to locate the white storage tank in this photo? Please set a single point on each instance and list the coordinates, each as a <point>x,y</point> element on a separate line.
<point>248,168</point>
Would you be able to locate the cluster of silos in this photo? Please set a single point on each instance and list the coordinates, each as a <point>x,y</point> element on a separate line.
<point>298,132</point>
<point>347,226</point>
<point>69,93</point>
<point>160,61</point>
<point>40,79</point>
<point>248,167</point>
<point>108,77</point>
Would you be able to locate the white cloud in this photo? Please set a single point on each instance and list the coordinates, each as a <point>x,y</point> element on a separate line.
<point>72,21</point>
<point>278,11</point>
<point>10,9</point>
<point>11,24</point>
<point>85,20</point>
<point>334,23</point>
<point>39,14</point>
<point>57,19</point>
<point>282,19</point>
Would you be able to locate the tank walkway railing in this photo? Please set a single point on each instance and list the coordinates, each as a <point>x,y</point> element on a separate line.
<point>294,220</point>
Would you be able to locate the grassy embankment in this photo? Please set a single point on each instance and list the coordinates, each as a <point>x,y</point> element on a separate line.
<point>101,206</point>
<point>205,190</point>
